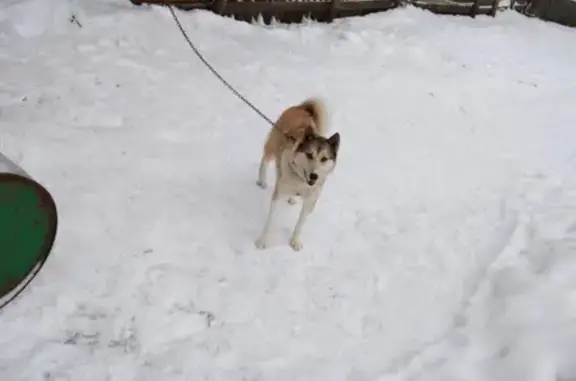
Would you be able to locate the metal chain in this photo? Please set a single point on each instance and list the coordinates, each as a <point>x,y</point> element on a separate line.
<point>191,44</point>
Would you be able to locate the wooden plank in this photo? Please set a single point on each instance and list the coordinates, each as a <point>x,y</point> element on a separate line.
<point>451,8</point>
<point>321,11</point>
<point>219,6</point>
<point>333,9</point>
<point>562,12</point>
<point>250,6</point>
<point>196,5</point>
<point>294,12</point>
<point>163,2</point>
<point>371,5</point>
<point>305,7</point>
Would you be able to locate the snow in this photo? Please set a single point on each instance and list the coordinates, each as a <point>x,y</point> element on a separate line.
<point>442,248</point>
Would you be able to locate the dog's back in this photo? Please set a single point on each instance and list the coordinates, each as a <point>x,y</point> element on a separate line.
<point>293,123</point>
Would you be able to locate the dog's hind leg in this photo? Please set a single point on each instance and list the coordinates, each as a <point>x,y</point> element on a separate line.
<point>270,151</point>
<point>262,241</point>
<point>262,172</point>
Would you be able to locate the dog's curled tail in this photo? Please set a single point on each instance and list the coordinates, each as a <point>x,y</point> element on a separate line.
<point>317,108</point>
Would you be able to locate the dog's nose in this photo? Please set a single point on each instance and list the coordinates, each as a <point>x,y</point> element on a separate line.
<point>314,176</point>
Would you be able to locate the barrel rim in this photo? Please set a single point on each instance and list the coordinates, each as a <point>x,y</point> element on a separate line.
<point>47,202</point>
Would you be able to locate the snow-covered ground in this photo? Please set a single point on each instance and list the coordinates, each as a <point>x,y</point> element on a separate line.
<point>443,248</point>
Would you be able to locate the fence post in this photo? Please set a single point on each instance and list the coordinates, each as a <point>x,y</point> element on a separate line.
<point>495,7</point>
<point>333,9</point>
<point>219,6</point>
<point>475,8</point>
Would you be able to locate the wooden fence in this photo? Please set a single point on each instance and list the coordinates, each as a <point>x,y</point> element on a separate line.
<point>559,11</point>
<point>324,10</point>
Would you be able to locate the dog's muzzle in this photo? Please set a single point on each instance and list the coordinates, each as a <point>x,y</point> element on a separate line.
<point>312,179</point>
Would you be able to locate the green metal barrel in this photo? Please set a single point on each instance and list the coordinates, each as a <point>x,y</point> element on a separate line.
<point>28,225</point>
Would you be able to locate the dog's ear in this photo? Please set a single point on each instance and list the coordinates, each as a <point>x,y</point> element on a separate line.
<point>334,142</point>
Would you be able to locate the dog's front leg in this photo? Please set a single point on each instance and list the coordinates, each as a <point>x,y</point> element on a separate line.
<point>307,208</point>
<point>262,241</point>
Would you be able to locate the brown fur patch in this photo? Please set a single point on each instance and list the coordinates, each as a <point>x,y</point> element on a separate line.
<point>293,123</point>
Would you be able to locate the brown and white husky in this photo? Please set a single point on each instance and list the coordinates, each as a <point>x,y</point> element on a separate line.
<point>304,159</point>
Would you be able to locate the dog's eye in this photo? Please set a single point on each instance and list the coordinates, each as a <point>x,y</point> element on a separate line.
<point>309,156</point>
<point>323,159</point>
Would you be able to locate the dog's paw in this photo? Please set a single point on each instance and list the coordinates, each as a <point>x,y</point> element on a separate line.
<point>292,201</point>
<point>261,243</point>
<point>262,184</point>
<point>296,244</point>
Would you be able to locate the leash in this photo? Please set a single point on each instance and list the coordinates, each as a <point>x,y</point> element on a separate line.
<point>40,265</point>
<point>215,72</point>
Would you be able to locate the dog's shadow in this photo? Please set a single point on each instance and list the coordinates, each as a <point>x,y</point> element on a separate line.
<point>240,207</point>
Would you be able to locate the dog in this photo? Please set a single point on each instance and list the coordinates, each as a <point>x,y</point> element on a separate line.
<point>304,159</point>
